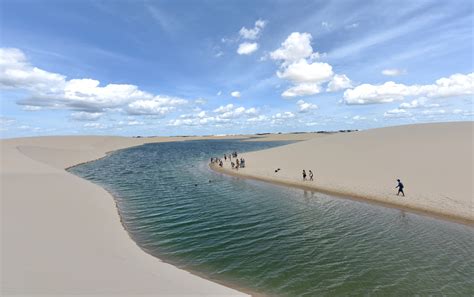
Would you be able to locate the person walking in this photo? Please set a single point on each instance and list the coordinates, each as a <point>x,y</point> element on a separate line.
<point>311,175</point>
<point>400,187</point>
<point>304,174</point>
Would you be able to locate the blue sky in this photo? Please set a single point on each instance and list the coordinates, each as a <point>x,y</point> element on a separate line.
<point>224,67</point>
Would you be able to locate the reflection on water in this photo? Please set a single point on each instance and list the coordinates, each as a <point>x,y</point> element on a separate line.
<point>277,240</point>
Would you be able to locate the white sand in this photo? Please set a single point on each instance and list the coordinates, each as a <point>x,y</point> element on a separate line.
<point>434,161</point>
<point>61,235</point>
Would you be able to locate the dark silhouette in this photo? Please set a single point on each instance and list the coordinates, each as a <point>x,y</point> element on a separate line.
<point>310,175</point>
<point>225,157</point>
<point>400,187</point>
<point>304,174</point>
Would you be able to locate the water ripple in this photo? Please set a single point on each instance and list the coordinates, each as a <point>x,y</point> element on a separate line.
<point>276,240</point>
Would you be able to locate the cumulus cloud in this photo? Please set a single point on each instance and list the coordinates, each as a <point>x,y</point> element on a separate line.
<point>452,86</point>
<point>247,48</point>
<point>55,91</point>
<point>235,94</point>
<point>284,115</point>
<point>296,46</point>
<point>393,72</point>
<point>299,66</point>
<point>304,72</point>
<point>304,89</point>
<point>230,111</point>
<point>304,107</point>
<point>339,82</point>
<point>158,106</point>
<point>358,118</point>
<point>254,32</point>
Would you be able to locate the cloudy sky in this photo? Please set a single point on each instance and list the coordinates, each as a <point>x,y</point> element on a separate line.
<point>225,67</point>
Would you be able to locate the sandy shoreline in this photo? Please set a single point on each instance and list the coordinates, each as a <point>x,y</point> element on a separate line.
<point>435,162</point>
<point>63,235</point>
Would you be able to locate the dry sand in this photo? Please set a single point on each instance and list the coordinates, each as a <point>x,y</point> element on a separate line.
<point>434,161</point>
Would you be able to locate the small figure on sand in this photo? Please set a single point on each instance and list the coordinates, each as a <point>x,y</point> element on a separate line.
<point>304,174</point>
<point>311,175</point>
<point>232,164</point>
<point>225,157</point>
<point>400,187</point>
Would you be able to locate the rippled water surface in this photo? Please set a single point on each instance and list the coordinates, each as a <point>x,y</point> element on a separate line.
<point>275,240</point>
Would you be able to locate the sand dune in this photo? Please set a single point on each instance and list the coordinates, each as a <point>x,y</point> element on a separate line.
<point>434,161</point>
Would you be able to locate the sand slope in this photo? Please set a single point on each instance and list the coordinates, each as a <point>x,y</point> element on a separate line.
<point>62,235</point>
<point>434,161</point>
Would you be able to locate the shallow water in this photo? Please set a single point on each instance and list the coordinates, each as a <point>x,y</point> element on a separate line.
<point>276,240</point>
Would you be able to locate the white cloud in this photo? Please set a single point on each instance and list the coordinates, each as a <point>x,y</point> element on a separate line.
<point>55,91</point>
<point>358,118</point>
<point>393,72</point>
<point>219,93</point>
<point>304,107</point>
<point>247,48</point>
<point>304,72</point>
<point>31,108</point>
<point>16,72</point>
<point>258,119</point>
<point>284,115</point>
<point>339,82</point>
<point>229,112</point>
<point>86,116</point>
<point>453,86</point>
<point>235,94</point>
<point>434,112</point>
<point>159,106</point>
<point>253,33</point>
<point>94,126</point>
<point>299,66</point>
<point>418,103</point>
<point>396,113</point>
<point>304,89</point>
<point>200,101</point>
<point>297,46</point>
<point>223,109</point>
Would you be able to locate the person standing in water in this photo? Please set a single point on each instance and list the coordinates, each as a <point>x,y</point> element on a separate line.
<point>400,187</point>
<point>311,175</point>
<point>304,174</point>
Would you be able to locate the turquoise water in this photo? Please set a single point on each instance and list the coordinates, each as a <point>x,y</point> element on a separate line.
<point>275,240</point>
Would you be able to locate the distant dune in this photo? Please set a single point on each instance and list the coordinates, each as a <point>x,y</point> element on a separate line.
<point>434,161</point>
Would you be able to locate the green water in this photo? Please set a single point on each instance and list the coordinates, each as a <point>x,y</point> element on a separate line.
<point>275,240</point>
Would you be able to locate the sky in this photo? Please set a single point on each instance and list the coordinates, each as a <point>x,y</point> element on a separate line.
<point>231,67</point>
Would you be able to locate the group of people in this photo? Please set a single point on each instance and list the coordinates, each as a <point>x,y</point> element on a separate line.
<point>310,174</point>
<point>239,163</point>
<point>217,161</point>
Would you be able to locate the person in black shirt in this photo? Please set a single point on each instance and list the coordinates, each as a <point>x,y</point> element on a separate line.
<point>400,187</point>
